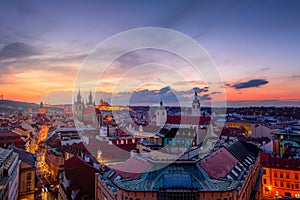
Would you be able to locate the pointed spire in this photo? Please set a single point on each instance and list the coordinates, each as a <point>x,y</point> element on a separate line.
<point>195,97</point>
<point>90,97</point>
<point>79,96</point>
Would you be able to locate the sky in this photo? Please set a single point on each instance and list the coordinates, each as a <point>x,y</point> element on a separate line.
<point>254,45</point>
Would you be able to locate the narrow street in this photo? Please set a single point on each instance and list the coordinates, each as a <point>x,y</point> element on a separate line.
<point>45,189</point>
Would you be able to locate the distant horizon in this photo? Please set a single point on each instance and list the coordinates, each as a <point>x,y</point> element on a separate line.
<point>166,105</point>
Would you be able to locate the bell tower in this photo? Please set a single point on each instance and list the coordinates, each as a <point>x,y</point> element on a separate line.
<point>161,115</point>
<point>90,103</point>
<point>78,106</point>
<point>196,106</point>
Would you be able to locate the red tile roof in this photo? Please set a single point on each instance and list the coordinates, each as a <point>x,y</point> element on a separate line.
<point>193,120</point>
<point>130,145</point>
<point>219,163</point>
<point>74,147</point>
<point>81,174</point>
<point>9,134</point>
<point>280,163</point>
<point>8,138</point>
<point>132,168</point>
<point>109,150</point>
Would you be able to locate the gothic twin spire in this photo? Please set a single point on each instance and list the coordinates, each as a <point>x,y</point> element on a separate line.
<point>90,100</point>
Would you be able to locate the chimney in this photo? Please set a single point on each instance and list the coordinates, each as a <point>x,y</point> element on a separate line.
<point>276,148</point>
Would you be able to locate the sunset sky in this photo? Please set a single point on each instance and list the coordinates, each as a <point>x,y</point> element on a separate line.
<point>254,44</point>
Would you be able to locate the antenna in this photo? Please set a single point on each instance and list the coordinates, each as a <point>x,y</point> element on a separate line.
<point>1,97</point>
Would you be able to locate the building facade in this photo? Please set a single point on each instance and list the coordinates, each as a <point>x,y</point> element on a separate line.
<point>27,174</point>
<point>9,174</point>
<point>281,177</point>
<point>85,112</point>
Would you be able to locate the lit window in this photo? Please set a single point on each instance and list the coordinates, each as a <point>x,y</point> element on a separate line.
<point>267,191</point>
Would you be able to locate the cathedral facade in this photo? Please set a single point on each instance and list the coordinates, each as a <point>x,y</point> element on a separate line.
<point>85,112</point>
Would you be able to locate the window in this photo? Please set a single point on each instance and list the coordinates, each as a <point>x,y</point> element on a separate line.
<point>288,185</point>
<point>265,181</point>
<point>266,191</point>
<point>275,184</point>
<point>28,176</point>
<point>296,176</point>
<point>265,171</point>
<point>281,184</point>
<point>275,174</point>
<point>296,186</point>
<point>281,175</point>
<point>288,194</point>
<point>287,175</point>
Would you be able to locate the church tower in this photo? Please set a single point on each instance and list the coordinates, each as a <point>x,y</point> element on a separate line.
<point>161,115</point>
<point>78,106</point>
<point>42,110</point>
<point>90,104</point>
<point>196,106</point>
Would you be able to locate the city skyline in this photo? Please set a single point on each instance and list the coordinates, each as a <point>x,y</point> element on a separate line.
<point>253,44</point>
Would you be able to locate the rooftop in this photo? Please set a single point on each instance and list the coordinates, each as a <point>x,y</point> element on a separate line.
<point>81,173</point>
<point>192,120</point>
<point>25,156</point>
<point>267,160</point>
<point>215,164</point>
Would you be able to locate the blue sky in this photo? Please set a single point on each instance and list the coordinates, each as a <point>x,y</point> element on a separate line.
<point>43,43</point>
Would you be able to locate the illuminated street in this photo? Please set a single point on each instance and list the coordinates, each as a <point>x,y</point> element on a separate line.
<point>42,170</point>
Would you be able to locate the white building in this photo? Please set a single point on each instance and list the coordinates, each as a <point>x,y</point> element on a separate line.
<point>196,106</point>
<point>161,115</point>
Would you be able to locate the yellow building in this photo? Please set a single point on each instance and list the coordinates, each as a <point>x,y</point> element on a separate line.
<point>281,177</point>
<point>246,125</point>
<point>54,159</point>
